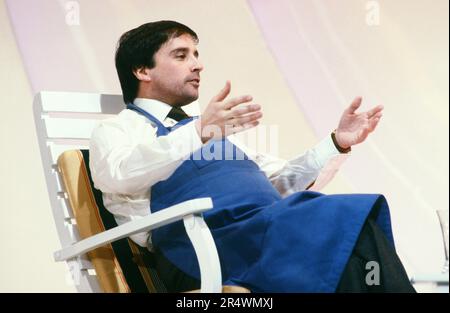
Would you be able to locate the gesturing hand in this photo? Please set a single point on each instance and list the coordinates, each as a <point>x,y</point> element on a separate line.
<point>223,117</point>
<point>355,127</point>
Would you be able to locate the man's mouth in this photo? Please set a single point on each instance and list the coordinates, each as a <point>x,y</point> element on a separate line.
<point>195,81</point>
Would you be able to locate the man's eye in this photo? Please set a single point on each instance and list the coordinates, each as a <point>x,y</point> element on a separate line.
<point>180,56</point>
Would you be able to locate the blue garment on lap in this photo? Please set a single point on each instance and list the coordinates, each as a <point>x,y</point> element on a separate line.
<point>266,243</point>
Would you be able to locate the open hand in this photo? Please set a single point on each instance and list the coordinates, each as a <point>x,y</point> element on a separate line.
<point>355,127</point>
<point>224,117</point>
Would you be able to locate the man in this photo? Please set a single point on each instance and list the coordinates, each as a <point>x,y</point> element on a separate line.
<point>271,234</point>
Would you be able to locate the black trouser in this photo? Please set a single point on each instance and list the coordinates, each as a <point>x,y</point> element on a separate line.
<point>372,245</point>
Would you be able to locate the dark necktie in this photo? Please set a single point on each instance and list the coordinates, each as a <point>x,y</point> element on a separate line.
<point>177,114</point>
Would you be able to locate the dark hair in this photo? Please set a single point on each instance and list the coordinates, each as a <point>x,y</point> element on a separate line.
<point>137,47</point>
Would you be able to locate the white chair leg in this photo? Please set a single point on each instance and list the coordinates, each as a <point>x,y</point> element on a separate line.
<point>205,249</point>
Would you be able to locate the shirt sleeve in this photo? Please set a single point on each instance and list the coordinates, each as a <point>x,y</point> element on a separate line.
<point>310,170</point>
<point>127,157</point>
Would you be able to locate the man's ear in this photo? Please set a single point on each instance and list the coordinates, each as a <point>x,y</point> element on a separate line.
<point>142,73</point>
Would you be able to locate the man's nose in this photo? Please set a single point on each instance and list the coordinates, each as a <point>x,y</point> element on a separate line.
<point>197,66</point>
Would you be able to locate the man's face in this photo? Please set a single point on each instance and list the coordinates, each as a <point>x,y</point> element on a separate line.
<point>175,79</point>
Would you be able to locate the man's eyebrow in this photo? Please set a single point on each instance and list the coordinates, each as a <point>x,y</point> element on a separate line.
<point>185,50</point>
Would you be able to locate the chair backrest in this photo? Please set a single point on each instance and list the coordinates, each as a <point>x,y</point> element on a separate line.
<point>64,121</point>
<point>121,266</point>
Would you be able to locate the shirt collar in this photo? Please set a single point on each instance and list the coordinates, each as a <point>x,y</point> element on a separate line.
<point>160,110</point>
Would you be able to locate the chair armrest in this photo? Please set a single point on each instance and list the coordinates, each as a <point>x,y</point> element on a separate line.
<point>196,228</point>
<point>152,221</point>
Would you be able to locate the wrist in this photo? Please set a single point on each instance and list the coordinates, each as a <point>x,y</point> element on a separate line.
<point>340,148</point>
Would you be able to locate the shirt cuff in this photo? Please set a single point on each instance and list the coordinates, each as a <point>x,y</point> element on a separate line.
<point>325,150</point>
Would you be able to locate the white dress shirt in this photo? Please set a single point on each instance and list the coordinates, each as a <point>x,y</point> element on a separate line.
<point>127,159</point>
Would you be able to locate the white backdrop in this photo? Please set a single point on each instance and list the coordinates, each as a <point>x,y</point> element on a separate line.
<point>303,61</point>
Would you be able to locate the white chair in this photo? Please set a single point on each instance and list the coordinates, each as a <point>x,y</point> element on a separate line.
<point>64,122</point>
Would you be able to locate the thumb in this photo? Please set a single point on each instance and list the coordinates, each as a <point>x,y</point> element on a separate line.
<point>354,105</point>
<point>223,93</point>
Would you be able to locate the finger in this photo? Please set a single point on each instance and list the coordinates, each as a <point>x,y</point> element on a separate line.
<point>236,112</point>
<point>354,105</point>
<point>240,128</point>
<point>374,111</point>
<point>236,101</point>
<point>223,93</point>
<point>250,125</point>
<point>376,115</point>
<point>373,123</point>
<point>248,118</point>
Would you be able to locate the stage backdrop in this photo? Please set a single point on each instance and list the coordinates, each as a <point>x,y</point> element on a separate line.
<point>303,61</point>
